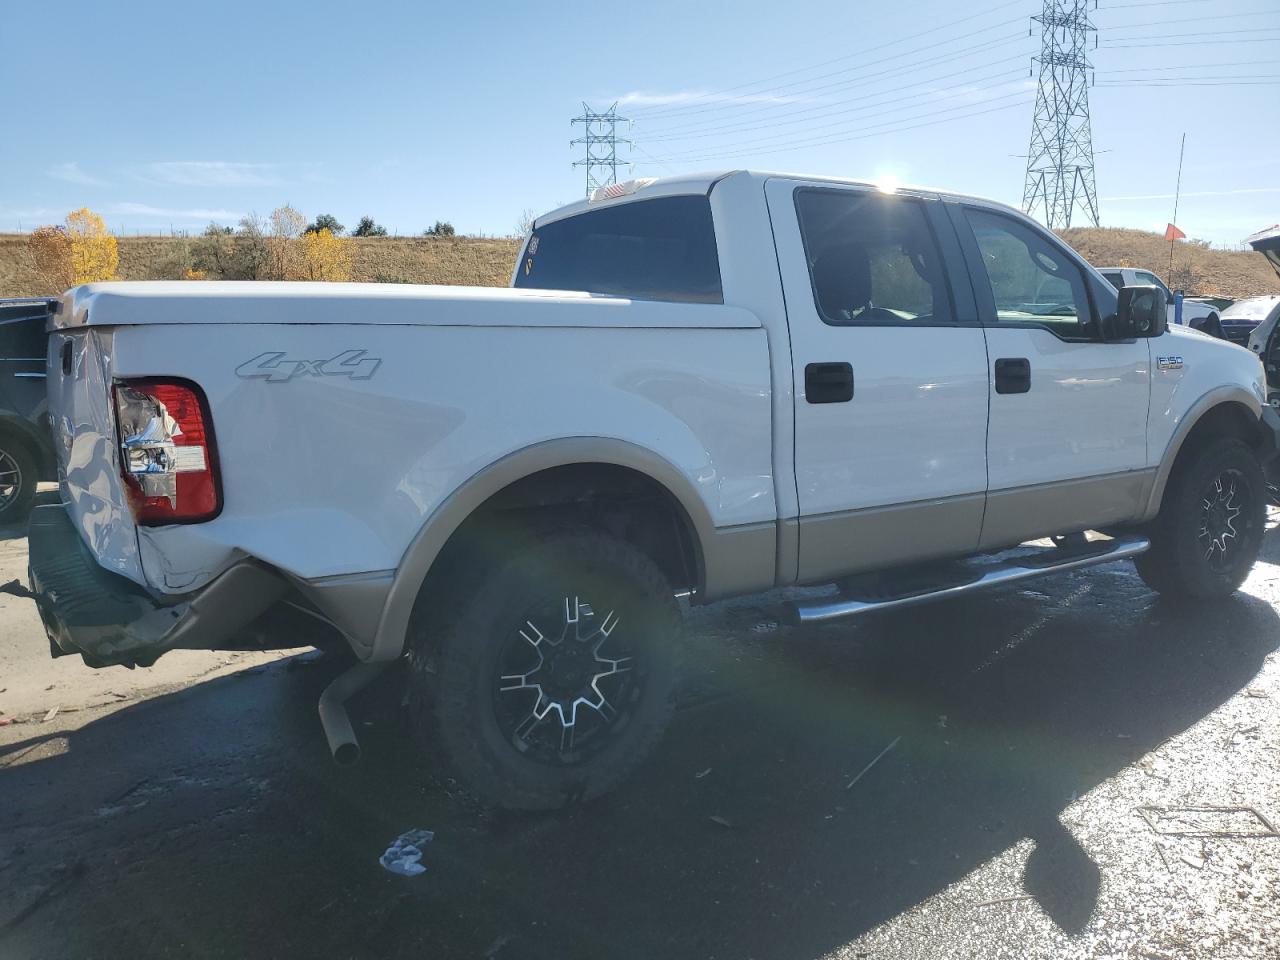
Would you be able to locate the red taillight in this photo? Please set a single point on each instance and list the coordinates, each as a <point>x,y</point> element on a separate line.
<point>167,453</point>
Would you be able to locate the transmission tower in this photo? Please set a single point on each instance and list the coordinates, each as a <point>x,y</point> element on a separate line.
<point>1060,175</point>
<point>600,138</point>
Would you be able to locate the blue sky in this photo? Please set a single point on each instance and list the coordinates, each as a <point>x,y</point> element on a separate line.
<point>160,114</point>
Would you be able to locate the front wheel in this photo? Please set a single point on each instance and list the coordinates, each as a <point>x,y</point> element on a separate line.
<point>1209,530</point>
<point>554,677</point>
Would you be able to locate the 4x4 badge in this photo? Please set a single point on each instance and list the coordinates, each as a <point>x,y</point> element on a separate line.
<point>274,368</point>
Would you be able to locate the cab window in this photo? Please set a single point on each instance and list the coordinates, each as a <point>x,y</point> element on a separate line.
<point>1150,279</point>
<point>1033,281</point>
<point>660,249</point>
<point>872,259</point>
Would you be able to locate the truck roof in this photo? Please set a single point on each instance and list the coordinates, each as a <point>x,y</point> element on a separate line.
<point>650,187</point>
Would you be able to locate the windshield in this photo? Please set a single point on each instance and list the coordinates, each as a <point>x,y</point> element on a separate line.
<point>1255,308</point>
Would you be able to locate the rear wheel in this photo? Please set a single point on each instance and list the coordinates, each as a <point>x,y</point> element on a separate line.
<point>1209,530</point>
<point>17,480</point>
<point>554,677</point>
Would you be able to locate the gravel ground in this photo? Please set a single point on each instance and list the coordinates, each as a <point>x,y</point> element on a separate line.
<point>1075,769</point>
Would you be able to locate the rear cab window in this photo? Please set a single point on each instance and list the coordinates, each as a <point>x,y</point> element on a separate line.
<point>659,249</point>
<point>873,259</point>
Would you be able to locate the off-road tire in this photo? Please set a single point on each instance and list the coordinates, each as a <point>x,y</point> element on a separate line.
<point>1176,566</point>
<point>455,673</point>
<point>16,508</point>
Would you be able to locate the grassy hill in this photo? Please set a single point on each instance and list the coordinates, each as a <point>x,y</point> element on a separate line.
<point>475,261</point>
<point>1197,270</point>
<point>468,261</point>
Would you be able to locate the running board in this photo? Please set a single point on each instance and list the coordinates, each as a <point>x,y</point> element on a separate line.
<point>995,576</point>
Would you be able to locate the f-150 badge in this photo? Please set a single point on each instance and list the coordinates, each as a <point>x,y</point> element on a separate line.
<point>273,367</point>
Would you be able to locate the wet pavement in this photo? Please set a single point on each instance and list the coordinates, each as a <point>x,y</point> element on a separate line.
<point>1075,769</point>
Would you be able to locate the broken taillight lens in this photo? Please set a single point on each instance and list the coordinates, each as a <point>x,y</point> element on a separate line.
<point>167,454</point>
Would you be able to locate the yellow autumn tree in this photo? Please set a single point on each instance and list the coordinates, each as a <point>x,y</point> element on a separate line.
<point>325,256</point>
<point>93,250</point>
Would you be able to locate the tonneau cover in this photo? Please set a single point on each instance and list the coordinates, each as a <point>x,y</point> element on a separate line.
<point>176,302</point>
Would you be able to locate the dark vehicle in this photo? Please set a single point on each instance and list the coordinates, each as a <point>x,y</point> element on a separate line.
<point>26,446</point>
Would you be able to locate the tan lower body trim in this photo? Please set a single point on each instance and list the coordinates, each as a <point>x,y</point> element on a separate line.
<point>837,544</point>
<point>740,560</point>
<point>1064,507</point>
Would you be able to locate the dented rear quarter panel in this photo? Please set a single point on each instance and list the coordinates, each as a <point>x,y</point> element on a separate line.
<point>82,420</point>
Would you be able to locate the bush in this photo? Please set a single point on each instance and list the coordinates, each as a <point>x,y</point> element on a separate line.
<point>326,221</point>
<point>326,256</point>
<point>442,228</point>
<point>367,228</point>
<point>94,253</point>
<point>50,249</point>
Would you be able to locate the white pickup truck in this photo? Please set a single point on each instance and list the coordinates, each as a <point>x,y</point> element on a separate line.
<point>698,387</point>
<point>1195,314</point>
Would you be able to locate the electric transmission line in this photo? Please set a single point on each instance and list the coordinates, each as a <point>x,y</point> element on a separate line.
<point>600,140</point>
<point>1060,171</point>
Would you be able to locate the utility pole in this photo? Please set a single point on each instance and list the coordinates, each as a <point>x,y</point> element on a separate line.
<point>1060,174</point>
<point>600,138</point>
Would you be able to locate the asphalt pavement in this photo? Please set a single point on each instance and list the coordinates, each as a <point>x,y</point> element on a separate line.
<point>1072,769</point>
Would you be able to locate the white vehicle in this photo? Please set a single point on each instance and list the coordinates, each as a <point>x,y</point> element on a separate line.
<point>699,387</point>
<point>1199,316</point>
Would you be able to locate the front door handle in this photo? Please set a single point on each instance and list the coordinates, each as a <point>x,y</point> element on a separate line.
<point>1013,375</point>
<point>828,382</point>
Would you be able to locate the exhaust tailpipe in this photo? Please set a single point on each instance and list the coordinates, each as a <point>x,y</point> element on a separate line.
<point>333,712</point>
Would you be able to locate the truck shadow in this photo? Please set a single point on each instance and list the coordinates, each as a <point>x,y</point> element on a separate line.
<point>211,821</point>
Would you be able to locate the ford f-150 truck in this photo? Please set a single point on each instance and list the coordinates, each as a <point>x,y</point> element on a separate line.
<point>697,387</point>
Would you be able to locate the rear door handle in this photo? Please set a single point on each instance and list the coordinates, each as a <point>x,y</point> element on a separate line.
<point>828,382</point>
<point>1013,375</point>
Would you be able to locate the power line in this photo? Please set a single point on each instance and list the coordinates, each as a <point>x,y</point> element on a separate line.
<point>747,127</point>
<point>1060,170</point>
<point>1191,43</point>
<point>860,82</point>
<point>1149,3</point>
<point>840,59</point>
<point>600,140</point>
<point>849,139</point>
<point>1186,66</point>
<point>1193,33</point>
<point>1205,82</point>
<point>1215,17</point>
<point>790,141</point>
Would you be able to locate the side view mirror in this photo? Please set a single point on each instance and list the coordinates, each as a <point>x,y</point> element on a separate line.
<point>1140,312</point>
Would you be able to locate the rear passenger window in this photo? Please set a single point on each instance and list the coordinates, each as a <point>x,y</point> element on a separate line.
<point>661,249</point>
<point>1032,280</point>
<point>872,259</point>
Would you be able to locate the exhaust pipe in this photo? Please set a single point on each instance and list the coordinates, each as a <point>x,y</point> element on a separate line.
<point>333,712</point>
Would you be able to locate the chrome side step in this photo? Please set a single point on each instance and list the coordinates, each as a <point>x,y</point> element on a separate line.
<point>994,576</point>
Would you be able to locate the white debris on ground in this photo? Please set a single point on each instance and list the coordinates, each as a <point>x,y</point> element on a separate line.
<point>404,856</point>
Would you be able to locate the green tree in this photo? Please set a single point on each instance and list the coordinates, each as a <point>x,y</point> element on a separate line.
<point>442,228</point>
<point>367,228</point>
<point>326,221</point>
<point>214,252</point>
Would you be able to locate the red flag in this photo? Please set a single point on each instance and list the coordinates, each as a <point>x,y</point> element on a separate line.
<point>1172,233</point>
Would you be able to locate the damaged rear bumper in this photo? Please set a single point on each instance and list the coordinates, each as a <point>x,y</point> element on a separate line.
<point>110,620</point>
